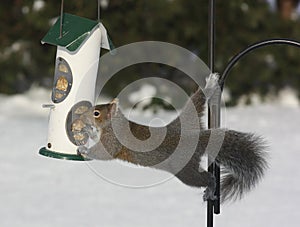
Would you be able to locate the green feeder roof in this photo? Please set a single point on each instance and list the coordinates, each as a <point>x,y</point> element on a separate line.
<point>75,30</point>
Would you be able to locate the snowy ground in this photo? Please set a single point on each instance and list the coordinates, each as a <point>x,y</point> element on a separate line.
<point>36,191</point>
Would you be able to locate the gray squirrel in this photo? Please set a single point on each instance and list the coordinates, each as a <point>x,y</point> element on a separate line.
<point>241,155</point>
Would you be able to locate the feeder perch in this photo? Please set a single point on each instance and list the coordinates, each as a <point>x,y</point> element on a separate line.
<point>78,42</point>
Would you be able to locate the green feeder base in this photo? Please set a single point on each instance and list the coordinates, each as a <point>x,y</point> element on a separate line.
<point>52,154</point>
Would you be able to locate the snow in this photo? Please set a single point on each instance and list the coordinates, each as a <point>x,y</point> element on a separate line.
<point>38,5</point>
<point>39,191</point>
<point>287,97</point>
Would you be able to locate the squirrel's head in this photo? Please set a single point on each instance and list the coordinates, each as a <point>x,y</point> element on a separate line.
<point>92,122</point>
<point>100,116</point>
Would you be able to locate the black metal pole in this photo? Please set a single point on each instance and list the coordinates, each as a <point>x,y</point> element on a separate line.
<point>212,36</point>
<point>61,19</point>
<point>213,206</point>
<point>210,207</point>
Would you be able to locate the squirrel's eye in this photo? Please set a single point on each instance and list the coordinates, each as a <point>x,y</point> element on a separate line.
<point>97,113</point>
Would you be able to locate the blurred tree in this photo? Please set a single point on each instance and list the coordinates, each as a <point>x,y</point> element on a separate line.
<point>23,60</point>
<point>266,70</point>
<point>23,23</point>
<point>287,8</point>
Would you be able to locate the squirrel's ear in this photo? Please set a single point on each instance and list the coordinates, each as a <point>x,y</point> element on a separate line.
<point>113,107</point>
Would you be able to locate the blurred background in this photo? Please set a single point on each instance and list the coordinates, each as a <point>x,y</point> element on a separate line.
<point>24,61</point>
<point>37,191</point>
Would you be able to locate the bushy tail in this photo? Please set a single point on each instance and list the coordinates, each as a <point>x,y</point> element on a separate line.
<point>242,158</point>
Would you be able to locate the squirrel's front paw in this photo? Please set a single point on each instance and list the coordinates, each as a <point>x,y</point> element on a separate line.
<point>82,150</point>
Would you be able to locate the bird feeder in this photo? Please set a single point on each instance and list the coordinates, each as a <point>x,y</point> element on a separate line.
<point>78,42</point>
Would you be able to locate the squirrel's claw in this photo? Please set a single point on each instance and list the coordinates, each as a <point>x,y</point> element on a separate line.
<point>212,83</point>
<point>92,132</point>
<point>209,192</point>
<point>82,150</point>
<point>93,138</point>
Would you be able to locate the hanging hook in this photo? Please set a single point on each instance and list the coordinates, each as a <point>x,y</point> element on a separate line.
<point>99,5</point>
<point>61,18</point>
<point>62,14</point>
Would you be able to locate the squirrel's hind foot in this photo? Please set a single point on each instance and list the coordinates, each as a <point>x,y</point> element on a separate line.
<point>212,83</point>
<point>209,192</point>
<point>209,195</point>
